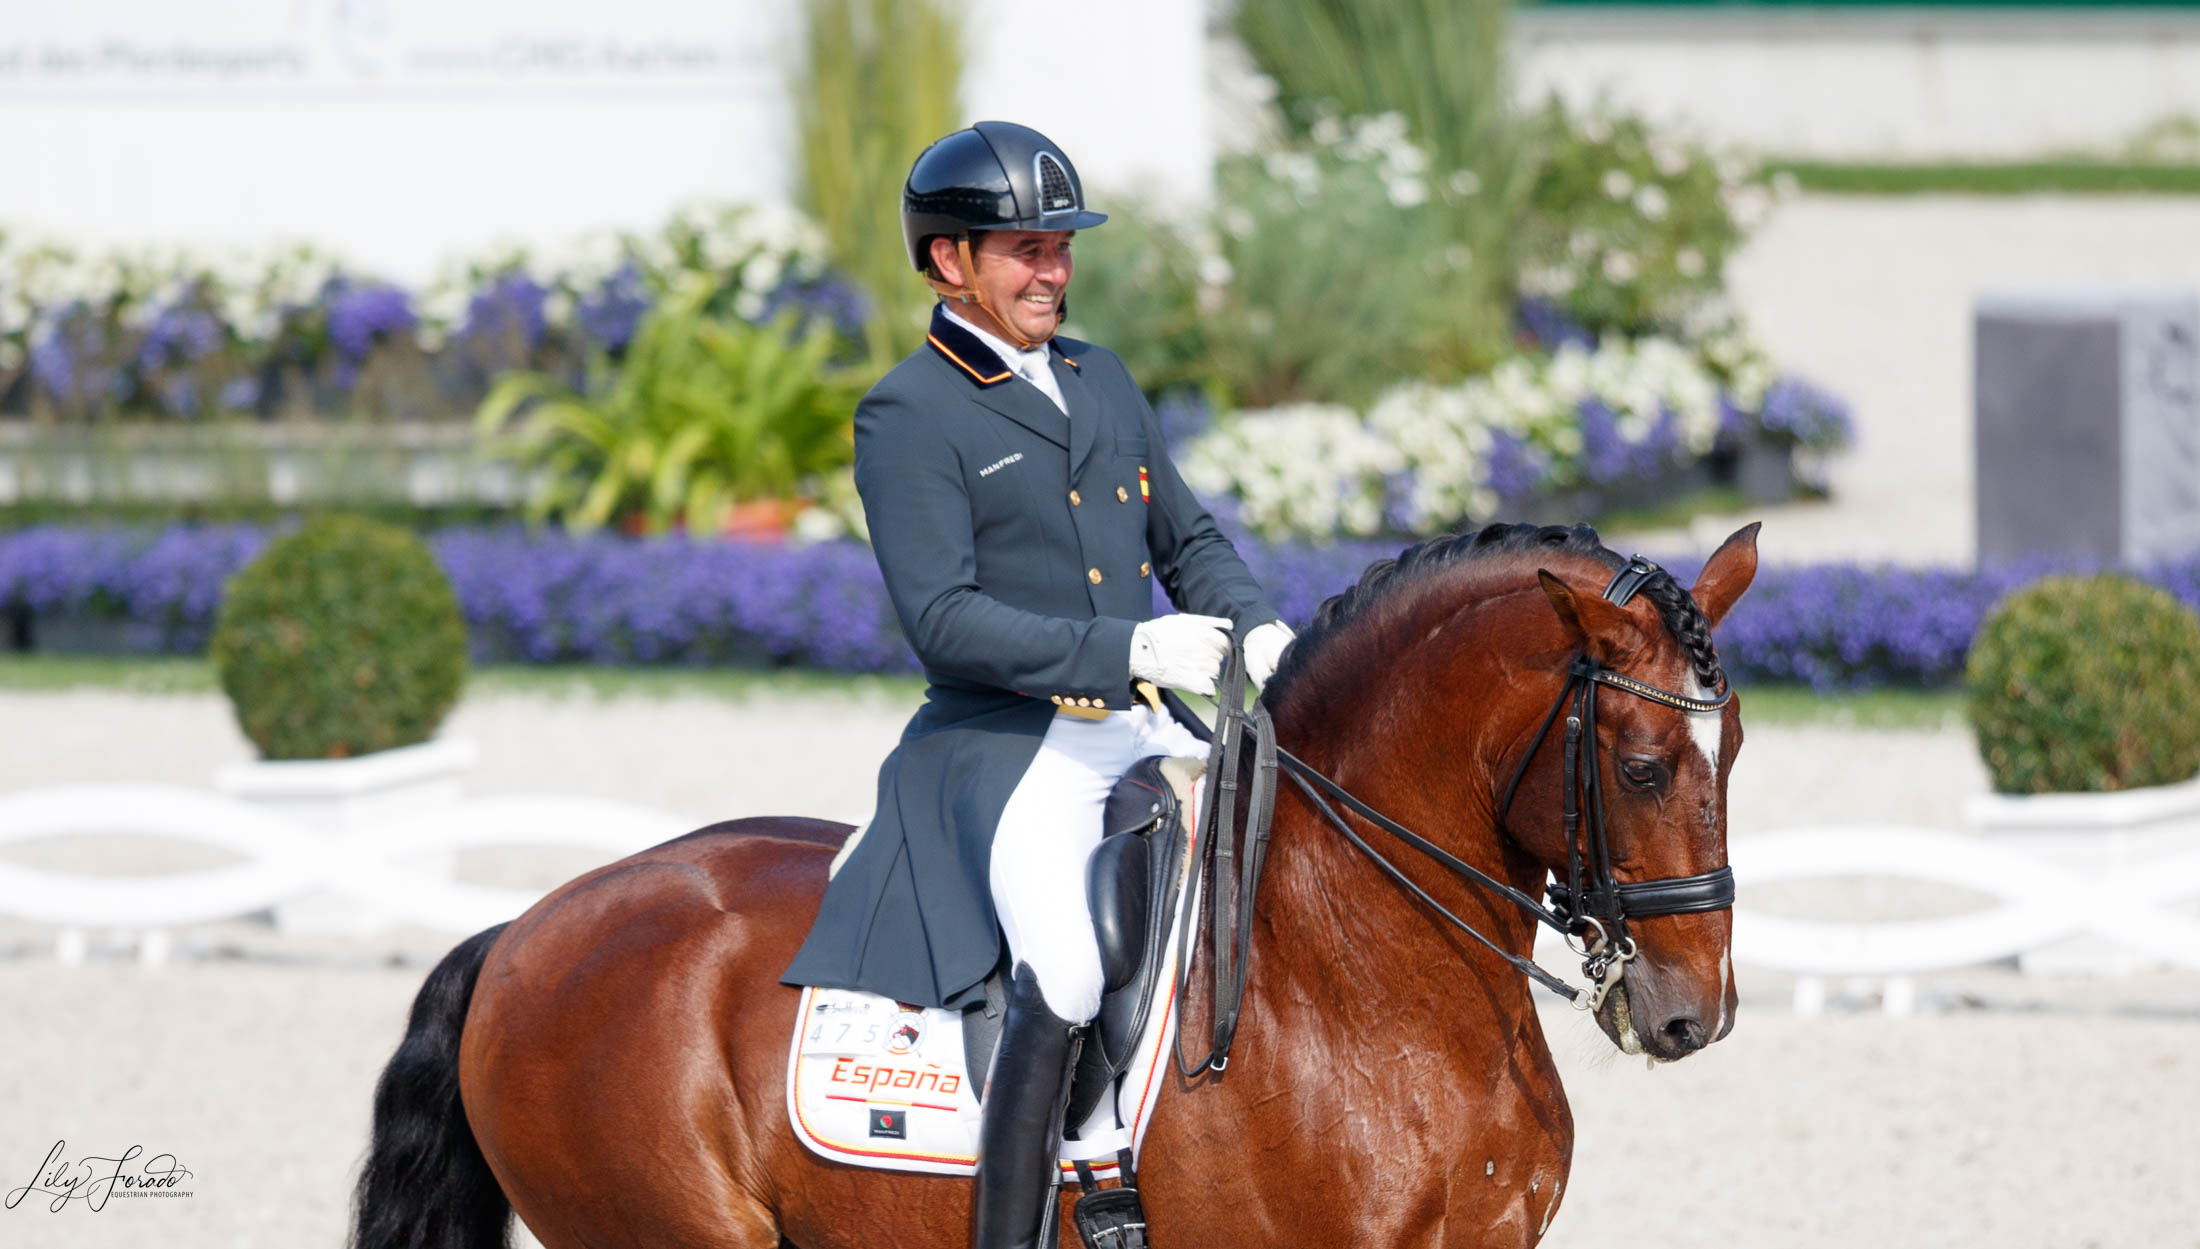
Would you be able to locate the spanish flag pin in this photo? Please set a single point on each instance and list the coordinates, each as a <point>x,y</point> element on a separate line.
<point>1145,491</point>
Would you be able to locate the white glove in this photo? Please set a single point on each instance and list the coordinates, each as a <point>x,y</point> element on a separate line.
<point>1264,650</point>
<point>1181,652</point>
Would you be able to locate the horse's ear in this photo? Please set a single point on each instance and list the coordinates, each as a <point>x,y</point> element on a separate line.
<point>1602,628</point>
<point>1727,573</point>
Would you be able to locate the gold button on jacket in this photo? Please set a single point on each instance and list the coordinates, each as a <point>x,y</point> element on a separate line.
<point>1122,495</point>
<point>1075,498</point>
<point>1092,575</point>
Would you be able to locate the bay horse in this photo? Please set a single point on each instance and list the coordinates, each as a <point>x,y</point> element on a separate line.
<point>612,1064</point>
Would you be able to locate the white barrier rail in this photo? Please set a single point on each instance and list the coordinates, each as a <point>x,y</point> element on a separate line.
<point>285,860</point>
<point>2040,903</point>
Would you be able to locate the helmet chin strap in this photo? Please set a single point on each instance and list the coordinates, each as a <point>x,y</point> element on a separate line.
<point>968,293</point>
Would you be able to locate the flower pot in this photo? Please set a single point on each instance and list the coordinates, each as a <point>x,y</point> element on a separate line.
<point>760,520</point>
<point>335,798</point>
<point>2102,840</point>
<point>1764,472</point>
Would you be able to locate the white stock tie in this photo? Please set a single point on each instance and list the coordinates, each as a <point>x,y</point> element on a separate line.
<point>1034,367</point>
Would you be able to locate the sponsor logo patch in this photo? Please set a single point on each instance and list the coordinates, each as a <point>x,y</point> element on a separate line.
<point>892,1125</point>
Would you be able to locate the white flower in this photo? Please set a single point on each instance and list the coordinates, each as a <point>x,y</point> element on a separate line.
<point>1617,184</point>
<point>1670,158</point>
<point>1652,202</point>
<point>1311,470</point>
<point>1215,270</point>
<point>1748,205</point>
<point>762,274</point>
<point>1554,281</point>
<point>1327,130</point>
<point>1619,268</point>
<point>1689,262</point>
<point>1596,130</point>
<point>1464,183</point>
<point>1405,158</point>
<point>817,524</point>
<point>1407,192</point>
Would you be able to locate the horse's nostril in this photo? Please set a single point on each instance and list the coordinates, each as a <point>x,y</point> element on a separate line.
<point>1685,1035</point>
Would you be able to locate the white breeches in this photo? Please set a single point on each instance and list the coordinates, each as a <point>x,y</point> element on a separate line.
<point>1049,828</point>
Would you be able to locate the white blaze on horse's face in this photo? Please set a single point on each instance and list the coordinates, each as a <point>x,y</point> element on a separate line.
<point>1706,728</point>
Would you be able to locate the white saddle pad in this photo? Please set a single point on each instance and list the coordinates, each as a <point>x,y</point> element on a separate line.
<point>877,1083</point>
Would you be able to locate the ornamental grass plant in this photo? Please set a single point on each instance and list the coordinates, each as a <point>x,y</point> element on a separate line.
<point>342,639</point>
<point>876,81</point>
<point>2086,685</point>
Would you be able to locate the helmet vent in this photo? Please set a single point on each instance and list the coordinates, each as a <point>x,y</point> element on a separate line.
<point>1055,195</point>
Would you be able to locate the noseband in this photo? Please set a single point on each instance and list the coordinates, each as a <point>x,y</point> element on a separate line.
<point>1590,909</point>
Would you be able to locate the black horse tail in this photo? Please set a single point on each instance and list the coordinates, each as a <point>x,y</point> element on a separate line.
<point>426,1185</point>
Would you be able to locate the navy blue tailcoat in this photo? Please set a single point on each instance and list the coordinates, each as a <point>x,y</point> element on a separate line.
<point>1018,546</point>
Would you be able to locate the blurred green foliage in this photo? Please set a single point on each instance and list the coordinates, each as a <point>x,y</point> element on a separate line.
<point>1405,207</point>
<point>1627,229</point>
<point>2086,685</point>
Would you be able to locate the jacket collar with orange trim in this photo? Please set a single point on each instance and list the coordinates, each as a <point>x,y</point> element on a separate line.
<point>972,357</point>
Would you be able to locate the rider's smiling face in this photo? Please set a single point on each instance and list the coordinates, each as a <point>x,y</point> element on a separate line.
<point>1023,275</point>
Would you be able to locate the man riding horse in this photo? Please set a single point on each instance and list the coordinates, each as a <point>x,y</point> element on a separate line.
<point>1021,502</point>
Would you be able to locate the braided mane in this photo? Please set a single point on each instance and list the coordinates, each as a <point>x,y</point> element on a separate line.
<point>1384,581</point>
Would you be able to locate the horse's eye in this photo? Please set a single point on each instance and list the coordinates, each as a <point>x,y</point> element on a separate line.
<point>1640,774</point>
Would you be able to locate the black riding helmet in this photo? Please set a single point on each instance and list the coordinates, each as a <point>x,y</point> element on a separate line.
<point>996,175</point>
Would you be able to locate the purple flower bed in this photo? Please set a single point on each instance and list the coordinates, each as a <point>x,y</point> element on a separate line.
<point>548,598</point>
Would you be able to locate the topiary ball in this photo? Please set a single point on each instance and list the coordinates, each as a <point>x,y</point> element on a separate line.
<point>2085,685</point>
<point>342,639</point>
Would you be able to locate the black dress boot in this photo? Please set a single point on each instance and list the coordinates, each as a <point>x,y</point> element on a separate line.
<point>1020,1132</point>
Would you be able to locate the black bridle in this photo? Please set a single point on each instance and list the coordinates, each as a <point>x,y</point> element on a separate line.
<point>1590,909</point>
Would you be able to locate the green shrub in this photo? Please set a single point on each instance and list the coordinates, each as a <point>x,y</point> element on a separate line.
<point>2086,684</point>
<point>342,639</point>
